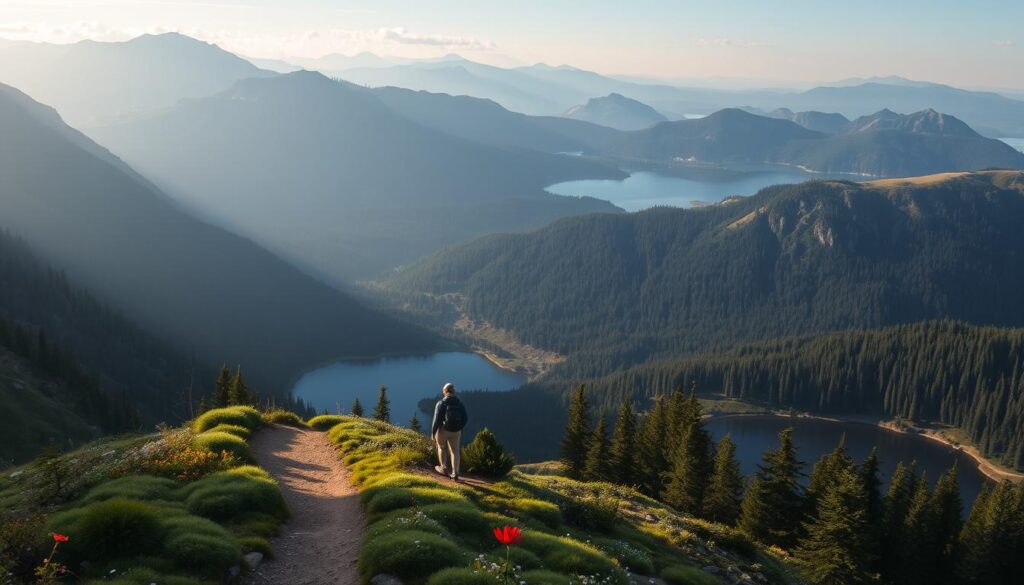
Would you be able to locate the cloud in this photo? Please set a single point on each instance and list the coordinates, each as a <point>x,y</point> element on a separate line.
<point>406,37</point>
<point>1004,43</point>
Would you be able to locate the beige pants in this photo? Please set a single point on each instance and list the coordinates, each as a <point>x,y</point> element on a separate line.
<point>448,442</point>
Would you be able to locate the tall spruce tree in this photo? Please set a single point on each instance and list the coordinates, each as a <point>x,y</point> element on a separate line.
<point>772,507</point>
<point>917,557</point>
<point>653,447</point>
<point>238,390</point>
<point>947,511</point>
<point>992,539</point>
<point>622,451</point>
<point>576,441</point>
<point>222,388</point>
<point>691,470</point>
<point>871,484</point>
<point>824,472</point>
<point>357,407</point>
<point>382,411</point>
<point>725,490</point>
<point>895,507</point>
<point>597,466</point>
<point>836,550</point>
<point>414,424</point>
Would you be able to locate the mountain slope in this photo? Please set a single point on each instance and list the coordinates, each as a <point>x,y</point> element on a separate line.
<point>92,83</point>
<point>614,290</point>
<point>817,121</point>
<point>616,111</point>
<point>327,174</point>
<point>205,290</point>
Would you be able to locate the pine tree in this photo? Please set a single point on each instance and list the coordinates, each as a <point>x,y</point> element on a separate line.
<point>653,447</point>
<point>895,507</point>
<point>414,424</point>
<point>596,468</point>
<point>947,510</point>
<point>576,442</point>
<point>222,388</point>
<point>357,407</point>
<point>917,566</point>
<point>836,549</point>
<point>824,472</point>
<point>688,480</point>
<point>622,452</point>
<point>382,411</point>
<point>238,391</point>
<point>772,506</point>
<point>725,490</point>
<point>203,407</point>
<point>872,486</point>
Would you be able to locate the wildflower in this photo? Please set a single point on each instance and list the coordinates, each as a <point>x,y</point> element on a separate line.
<point>508,535</point>
<point>58,537</point>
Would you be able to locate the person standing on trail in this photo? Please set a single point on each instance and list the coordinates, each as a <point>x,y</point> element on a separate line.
<point>449,419</point>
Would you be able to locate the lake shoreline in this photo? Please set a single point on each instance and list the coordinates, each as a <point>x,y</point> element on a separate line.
<point>987,467</point>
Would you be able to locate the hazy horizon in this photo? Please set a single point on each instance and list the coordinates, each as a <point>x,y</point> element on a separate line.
<point>739,43</point>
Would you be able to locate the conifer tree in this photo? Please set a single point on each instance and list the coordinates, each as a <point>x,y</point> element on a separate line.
<point>382,411</point>
<point>871,484</point>
<point>836,549</point>
<point>772,506</point>
<point>947,510</point>
<point>596,468</point>
<point>238,391</point>
<point>414,424</point>
<point>895,507</point>
<point>576,442</point>
<point>622,451</point>
<point>725,490</point>
<point>992,539</point>
<point>691,470</point>
<point>653,446</point>
<point>222,388</point>
<point>917,557</point>
<point>202,406</point>
<point>357,407</point>
<point>825,471</point>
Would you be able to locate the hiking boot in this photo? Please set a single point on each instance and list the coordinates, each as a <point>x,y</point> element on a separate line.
<point>440,470</point>
<point>455,476</point>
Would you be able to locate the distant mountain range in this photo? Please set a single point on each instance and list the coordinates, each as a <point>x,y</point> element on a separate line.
<point>205,291</point>
<point>616,111</point>
<point>818,121</point>
<point>327,174</point>
<point>612,290</point>
<point>92,83</point>
<point>882,144</point>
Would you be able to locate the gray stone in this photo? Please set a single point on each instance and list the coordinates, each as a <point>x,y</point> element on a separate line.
<point>385,580</point>
<point>253,560</point>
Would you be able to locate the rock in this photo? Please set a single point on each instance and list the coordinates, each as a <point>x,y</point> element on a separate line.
<point>253,560</point>
<point>234,572</point>
<point>16,474</point>
<point>385,580</point>
<point>651,518</point>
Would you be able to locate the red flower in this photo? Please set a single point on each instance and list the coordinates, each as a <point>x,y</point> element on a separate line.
<point>58,537</point>
<point>508,535</point>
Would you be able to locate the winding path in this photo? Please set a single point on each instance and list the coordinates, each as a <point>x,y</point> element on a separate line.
<point>320,542</point>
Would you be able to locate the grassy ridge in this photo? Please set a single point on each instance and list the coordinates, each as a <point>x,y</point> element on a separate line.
<point>178,508</point>
<point>427,531</point>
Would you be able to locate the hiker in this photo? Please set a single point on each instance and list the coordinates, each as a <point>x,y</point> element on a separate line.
<point>449,419</point>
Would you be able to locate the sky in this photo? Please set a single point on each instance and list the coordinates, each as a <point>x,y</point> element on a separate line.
<point>975,43</point>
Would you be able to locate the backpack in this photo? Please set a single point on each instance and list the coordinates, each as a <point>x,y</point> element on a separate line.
<point>454,417</point>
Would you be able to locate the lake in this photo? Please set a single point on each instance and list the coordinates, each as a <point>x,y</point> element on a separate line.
<point>1017,143</point>
<point>755,434</point>
<point>408,379</point>
<point>683,187</point>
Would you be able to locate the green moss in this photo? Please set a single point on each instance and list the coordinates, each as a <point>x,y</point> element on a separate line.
<point>686,575</point>
<point>236,430</point>
<point>570,556</point>
<point>256,544</point>
<point>117,528</point>
<point>227,495</point>
<point>387,499</point>
<point>218,441</point>
<point>283,417</point>
<point>324,422</point>
<point>256,524</point>
<point>461,577</point>
<point>132,487</point>
<point>206,554</point>
<point>543,577</point>
<point>244,416</point>
<point>539,510</point>
<point>409,555</point>
<point>402,520</point>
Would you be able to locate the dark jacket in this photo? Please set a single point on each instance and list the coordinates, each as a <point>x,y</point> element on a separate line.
<point>439,411</point>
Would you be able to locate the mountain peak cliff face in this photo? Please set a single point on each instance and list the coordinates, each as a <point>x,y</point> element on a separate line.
<point>924,122</point>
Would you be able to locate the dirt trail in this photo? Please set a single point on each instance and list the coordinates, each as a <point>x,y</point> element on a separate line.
<point>320,542</point>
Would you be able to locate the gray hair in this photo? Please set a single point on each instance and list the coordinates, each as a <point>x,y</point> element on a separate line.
<point>448,388</point>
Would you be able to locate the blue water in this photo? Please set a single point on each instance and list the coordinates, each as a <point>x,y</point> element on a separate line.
<point>1017,143</point>
<point>685,187</point>
<point>408,380</point>
<point>755,434</point>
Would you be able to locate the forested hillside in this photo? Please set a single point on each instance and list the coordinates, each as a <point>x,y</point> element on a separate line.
<point>612,291</point>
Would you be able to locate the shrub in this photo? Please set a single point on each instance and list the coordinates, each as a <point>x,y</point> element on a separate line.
<point>256,544</point>
<point>600,513</point>
<point>409,554</point>
<point>461,577</point>
<point>117,528</point>
<point>402,520</point>
<point>230,494</point>
<point>283,417</point>
<point>484,455</point>
<point>210,555</point>
<point>256,524</point>
<point>132,487</point>
<point>387,499</point>
<point>174,456</point>
<point>458,517</point>
<point>539,510</point>
<point>324,422</point>
<point>685,575</point>
<point>244,416</point>
<point>236,430</point>
<point>218,442</point>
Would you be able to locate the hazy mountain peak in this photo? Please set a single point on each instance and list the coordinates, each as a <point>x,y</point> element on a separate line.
<point>616,111</point>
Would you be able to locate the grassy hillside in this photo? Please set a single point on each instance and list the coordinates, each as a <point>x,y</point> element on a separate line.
<point>427,530</point>
<point>178,508</point>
